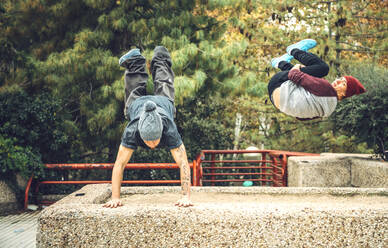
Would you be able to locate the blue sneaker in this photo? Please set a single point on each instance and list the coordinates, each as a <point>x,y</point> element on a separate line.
<point>132,53</point>
<point>285,57</point>
<point>303,45</point>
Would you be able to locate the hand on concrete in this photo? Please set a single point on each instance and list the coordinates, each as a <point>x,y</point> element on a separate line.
<point>114,203</point>
<point>184,202</point>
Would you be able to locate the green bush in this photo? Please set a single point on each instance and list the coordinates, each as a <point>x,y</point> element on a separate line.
<point>366,116</point>
<point>16,159</point>
<point>34,121</point>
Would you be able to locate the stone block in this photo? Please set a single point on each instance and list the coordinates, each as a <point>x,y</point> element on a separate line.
<point>318,171</point>
<point>8,200</point>
<point>337,170</point>
<point>368,173</point>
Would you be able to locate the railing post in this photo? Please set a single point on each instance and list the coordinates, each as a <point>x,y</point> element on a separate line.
<point>274,170</point>
<point>198,162</point>
<point>26,191</point>
<point>263,164</point>
<point>284,166</point>
<point>194,173</point>
<point>213,156</point>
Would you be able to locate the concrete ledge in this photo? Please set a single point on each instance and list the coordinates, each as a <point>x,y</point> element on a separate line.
<point>221,217</point>
<point>337,170</point>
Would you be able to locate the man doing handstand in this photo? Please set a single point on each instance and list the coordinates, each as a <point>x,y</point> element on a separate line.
<point>151,118</point>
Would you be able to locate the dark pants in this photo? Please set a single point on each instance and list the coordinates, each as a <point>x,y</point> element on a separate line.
<point>314,66</point>
<point>136,77</point>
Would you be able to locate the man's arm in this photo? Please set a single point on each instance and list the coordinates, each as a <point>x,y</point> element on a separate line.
<point>316,86</point>
<point>180,157</point>
<point>122,159</point>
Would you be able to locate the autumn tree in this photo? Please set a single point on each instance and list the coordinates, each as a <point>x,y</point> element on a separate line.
<point>267,28</point>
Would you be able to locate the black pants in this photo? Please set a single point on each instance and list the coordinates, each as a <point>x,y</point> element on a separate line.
<point>136,76</point>
<point>314,66</point>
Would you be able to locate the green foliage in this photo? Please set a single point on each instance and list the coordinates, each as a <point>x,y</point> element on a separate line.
<point>34,123</point>
<point>366,116</point>
<point>17,159</point>
<point>202,125</point>
<point>83,72</point>
<point>61,88</point>
<point>343,144</point>
<point>264,126</point>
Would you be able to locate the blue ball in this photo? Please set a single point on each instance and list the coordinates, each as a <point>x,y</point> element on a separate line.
<point>247,183</point>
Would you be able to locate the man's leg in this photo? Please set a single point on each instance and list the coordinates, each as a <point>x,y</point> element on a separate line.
<point>285,58</point>
<point>314,66</point>
<point>135,78</point>
<point>162,73</point>
<point>285,66</point>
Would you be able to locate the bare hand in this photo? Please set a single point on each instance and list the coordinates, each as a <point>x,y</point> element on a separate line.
<point>297,67</point>
<point>184,202</point>
<point>114,203</point>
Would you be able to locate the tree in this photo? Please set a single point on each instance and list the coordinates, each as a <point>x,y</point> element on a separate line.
<point>72,48</point>
<point>366,116</point>
<point>221,52</point>
<point>343,29</point>
<point>268,27</point>
<point>33,123</point>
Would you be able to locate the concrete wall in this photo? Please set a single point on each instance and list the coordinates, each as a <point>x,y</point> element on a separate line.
<point>337,170</point>
<point>8,201</point>
<point>369,174</point>
<point>220,217</point>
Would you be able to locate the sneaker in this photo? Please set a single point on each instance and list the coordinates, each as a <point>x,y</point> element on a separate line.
<point>285,57</point>
<point>303,45</point>
<point>132,53</point>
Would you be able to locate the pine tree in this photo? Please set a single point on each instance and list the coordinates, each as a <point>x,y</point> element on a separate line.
<point>72,49</point>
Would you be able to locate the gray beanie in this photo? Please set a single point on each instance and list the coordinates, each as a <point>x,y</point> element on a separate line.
<point>150,123</point>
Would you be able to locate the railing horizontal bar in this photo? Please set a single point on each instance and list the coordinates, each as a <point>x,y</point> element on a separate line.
<point>271,152</point>
<point>236,167</point>
<point>234,151</point>
<point>236,161</point>
<point>138,166</point>
<point>151,181</point>
<point>237,180</point>
<point>106,181</point>
<point>235,174</point>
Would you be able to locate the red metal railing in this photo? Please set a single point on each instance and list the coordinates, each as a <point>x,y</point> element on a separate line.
<point>106,166</point>
<point>280,159</point>
<point>269,170</point>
